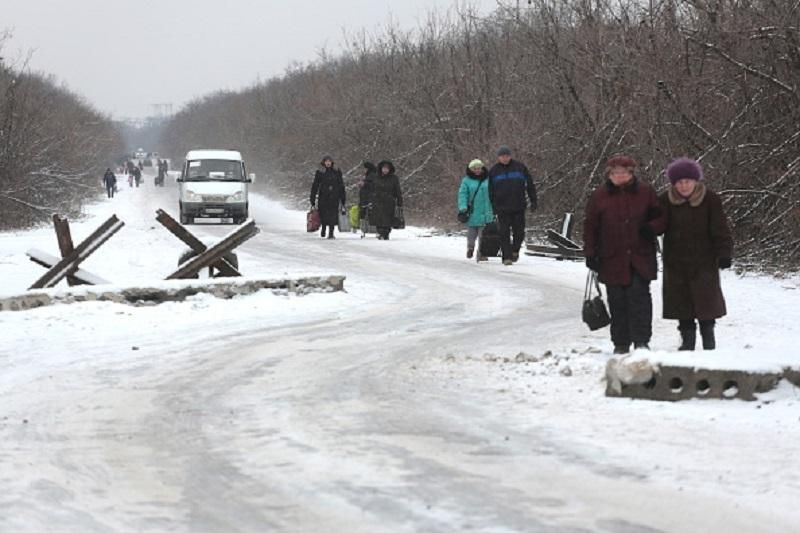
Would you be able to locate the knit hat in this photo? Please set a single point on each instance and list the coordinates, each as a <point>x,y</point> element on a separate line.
<point>475,163</point>
<point>503,150</point>
<point>621,160</point>
<point>684,169</point>
<point>326,158</point>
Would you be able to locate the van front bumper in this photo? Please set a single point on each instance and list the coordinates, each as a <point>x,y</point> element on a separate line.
<point>227,210</point>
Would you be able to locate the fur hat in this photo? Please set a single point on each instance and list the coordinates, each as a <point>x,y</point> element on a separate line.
<point>503,150</point>
<point>684,169</point>
<point>621,160</point>
<point>475,163</point>
<point>326,158</point>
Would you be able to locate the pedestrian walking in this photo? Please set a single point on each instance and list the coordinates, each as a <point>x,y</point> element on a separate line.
<point>623,217</point>
<point>137,176</point>
<point>509,181</point>
<point>386,198</point>
<point>110,181</point>
<point>697,244</point>
<point>474,204</point>
<point>328,194</point>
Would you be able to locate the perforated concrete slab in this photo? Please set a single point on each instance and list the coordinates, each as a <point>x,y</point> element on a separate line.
<point>643,379</point>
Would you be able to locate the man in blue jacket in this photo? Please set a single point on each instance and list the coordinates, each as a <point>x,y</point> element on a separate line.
<point>509,180</point>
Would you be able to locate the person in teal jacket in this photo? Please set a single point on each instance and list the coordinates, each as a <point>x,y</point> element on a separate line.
<point>474,202</point>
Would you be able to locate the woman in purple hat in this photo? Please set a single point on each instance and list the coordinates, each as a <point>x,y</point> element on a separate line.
<point>697,244</point>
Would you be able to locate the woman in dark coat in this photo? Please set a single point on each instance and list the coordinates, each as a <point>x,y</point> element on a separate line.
<point>623,217</point>
<point>365,189</point>
<point>697,244</point>
<point>328,193</point>
<point>386,195</point>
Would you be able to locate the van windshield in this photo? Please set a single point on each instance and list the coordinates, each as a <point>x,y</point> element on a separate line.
<point>214,170</point>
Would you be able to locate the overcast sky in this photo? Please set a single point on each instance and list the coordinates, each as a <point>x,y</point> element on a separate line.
<point>124,56</point>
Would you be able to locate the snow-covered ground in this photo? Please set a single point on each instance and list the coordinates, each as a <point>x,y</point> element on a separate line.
<point>401,404</point>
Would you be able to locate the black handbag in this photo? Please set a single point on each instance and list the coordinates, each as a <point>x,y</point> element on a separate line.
<point>398,220</point>
<point>595,314</point>
<point>463,216</point>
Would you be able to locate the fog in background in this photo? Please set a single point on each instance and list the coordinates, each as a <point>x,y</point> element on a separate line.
<point>125,56</point>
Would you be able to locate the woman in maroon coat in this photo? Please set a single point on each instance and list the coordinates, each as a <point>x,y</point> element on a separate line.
<point>697,244</point>
<point>623,217</point>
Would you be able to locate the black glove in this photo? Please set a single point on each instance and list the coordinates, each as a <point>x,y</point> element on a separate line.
<point>647,233</point>
<point>724,262</point>
<point>593,263</point>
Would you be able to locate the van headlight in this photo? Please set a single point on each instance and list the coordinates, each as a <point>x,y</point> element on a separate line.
<point>236,197</point>
<point>191,196</point>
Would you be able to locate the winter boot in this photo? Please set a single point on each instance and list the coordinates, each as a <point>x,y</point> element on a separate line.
<point>322,232</point>
<point>470,252</point>
<point>641,346</point>
<point>514,257</point>
<point>707,334</point>
<point>620,349</point>
<point>481,258</point>
<point>688,332</point>
<point>508,262</point>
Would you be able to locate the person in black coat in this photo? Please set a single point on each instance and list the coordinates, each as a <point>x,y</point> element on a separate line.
<point>328,194</point>
<point>110,181</point>
<point>365,189</point>
<point>509,180</point>
<point>386,196</point>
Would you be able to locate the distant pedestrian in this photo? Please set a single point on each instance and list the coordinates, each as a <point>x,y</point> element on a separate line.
<point>328,195</point>
<point>474,204</point>
<point>386,198</point>
<point>137,176</point>
<point>365,189</point>
<point>110,181</point>
<point>623,217</point>
<point>697,243</point>
<point>509,180</point>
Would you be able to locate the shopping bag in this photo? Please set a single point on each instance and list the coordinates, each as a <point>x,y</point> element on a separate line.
<point>313,221</point>
<point>344,220</point>
<point>595,314</point>
<point>355,216</point>
<point>398,221</point>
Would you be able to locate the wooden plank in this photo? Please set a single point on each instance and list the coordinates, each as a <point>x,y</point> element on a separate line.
<point>64,238</point>
<point>215,253</point>
<point>567,225</point>
<point>561,241</point>
<point>48,261</point>
<point>81,252</point>
<point>223,265</point>
<point>553,251</point>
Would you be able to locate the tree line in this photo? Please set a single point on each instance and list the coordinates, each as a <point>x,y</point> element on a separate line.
<point>53,148</point>
<point>566,83</point>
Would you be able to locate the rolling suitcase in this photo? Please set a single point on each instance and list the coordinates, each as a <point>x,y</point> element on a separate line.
<point>489,243</point>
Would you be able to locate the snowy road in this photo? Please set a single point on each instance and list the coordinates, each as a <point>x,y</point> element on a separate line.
<point>398,406</point>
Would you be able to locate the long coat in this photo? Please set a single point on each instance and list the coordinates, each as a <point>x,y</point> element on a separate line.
<point>386,194</point>
<point>697,236</point>
<point>366,190</point>
<point>475,189</point>
<point>612,231</point>
<point>327,193</point>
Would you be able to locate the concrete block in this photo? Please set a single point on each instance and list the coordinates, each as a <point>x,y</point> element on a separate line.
<point>674,383</point>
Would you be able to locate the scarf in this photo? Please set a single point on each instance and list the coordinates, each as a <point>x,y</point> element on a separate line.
<point>695,199</point>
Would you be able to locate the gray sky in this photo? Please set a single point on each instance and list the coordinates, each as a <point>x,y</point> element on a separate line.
<point>125,55</point>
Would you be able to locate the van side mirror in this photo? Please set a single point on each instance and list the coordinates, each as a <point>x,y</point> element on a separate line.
<point>251,178</point>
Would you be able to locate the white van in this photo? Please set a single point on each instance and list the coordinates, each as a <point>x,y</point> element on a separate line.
<point>213,184</point>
